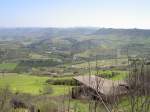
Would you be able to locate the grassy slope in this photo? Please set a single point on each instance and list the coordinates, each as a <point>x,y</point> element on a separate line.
<point>29,84</point>
<point>8,66</point>
<point>108,62</point>
<point>121,75</point>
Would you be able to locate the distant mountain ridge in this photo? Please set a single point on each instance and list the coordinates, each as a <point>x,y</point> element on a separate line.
<point>19,33</point>
<point>78,41</point>
<point>124,32</point>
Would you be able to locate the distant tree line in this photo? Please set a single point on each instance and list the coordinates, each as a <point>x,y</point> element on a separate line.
<point>26,65</point>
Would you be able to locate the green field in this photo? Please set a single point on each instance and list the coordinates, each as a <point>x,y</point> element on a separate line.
<point>30,84</point>
<point>118,74</point>
<point>8,66</point>
<point>26,83</point>
<point>108,62</point>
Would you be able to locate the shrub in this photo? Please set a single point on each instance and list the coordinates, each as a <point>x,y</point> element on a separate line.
<point>47,89</point>
<point>5,95</point>
<point>108,74</point>
<point>70,82</point>
<point>45,106</point>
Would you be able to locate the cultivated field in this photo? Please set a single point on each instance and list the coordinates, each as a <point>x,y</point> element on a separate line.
<point>25,83</point>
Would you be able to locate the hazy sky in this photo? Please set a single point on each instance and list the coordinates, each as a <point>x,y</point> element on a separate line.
<point>71,13</point>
